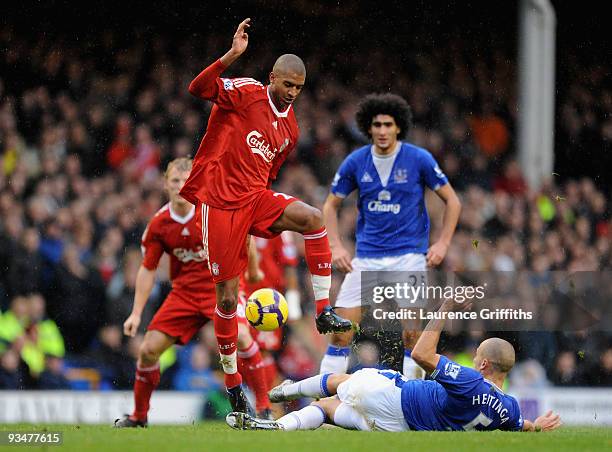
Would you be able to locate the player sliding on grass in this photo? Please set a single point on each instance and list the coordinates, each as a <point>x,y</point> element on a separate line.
<point>251,130</point>
<point>457,397</point>
<point>190,304</point>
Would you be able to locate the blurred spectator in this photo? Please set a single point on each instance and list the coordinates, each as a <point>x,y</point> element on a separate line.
<point>53,375</point>
<point>109,353</point>
<point>490,131</point>
<point>601,374</point>
<point>528,374</point>
<point>197,375</point>
<point>10,373</point>
<point>76,300</point>
<point>121,290</point>
<point>566,371</point>
<point>26,261</point>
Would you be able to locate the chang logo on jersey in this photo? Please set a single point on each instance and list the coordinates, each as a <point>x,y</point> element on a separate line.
<point>381,206</point>
<point>185,255</point>
<point>377,206</point>
<point>262,148</point>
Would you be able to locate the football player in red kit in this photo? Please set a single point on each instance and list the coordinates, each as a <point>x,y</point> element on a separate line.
<point>191,302</point>
<point>251,130</point>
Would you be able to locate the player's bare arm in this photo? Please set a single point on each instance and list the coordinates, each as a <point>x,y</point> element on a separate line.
<point>341,258</point>
<point>424,352</point>
<point>240,43</point>
<point>437,251</point>
<point>545,423</point>
<point>145,279</point>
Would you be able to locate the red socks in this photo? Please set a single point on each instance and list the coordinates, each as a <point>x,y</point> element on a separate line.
<point>252,368</point>
<point>226,331</point>
<point>318,259</point>
<point>146,381</point>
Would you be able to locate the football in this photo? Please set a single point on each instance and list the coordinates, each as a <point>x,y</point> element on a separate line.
<point>267,309</point>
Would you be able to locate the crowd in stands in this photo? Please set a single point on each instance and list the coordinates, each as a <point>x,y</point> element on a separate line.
<point>86,129</point>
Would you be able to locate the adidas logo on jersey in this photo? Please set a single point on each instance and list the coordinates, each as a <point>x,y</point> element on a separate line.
<point>185,231</point>
<point>275,124</point>
<point>366,177</point>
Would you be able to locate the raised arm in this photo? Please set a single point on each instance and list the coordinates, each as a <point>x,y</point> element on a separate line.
<point>204,85</point>
<point>424,352</point>
<point>341,259</point>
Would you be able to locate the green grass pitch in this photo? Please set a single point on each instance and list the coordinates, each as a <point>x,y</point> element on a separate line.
<point>216,436</point>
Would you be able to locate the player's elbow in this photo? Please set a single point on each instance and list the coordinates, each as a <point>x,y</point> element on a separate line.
<point>417,356</point>
<point>422,358</point>
<point>194,89</point>
<point>455,202</point>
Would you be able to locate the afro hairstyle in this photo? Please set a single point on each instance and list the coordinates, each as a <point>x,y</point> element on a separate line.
<point>384,104</point>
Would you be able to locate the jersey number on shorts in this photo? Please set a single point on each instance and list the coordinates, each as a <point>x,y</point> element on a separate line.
<point>481,419</point>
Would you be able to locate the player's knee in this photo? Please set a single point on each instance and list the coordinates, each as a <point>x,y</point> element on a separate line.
<point>327,405</point>
<point>227,302</point>
<point>334,380</point>
<point>314,219</point>
<point>148,354</point>
<point>227,299</point>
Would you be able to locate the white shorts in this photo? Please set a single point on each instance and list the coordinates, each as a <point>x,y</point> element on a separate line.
<point>350,291</point>
<point>376,398</point>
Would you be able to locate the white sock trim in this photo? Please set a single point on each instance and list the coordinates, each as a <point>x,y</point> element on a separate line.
<point>229,363</point>
<point>148,369</point>
<point>223,315</point>
<point>321,286</point>
<point>249,351</point>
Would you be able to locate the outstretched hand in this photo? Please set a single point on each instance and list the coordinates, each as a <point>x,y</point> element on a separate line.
<point>241,37</point>
<point>547,422</point>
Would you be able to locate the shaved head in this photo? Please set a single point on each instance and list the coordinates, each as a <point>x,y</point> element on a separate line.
<point>286,80</point>
<point>289,64</point>
<point>498,352</point>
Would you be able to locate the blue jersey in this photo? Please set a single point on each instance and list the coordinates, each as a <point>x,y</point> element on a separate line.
<point>392,218</point>
<point>458,398</point>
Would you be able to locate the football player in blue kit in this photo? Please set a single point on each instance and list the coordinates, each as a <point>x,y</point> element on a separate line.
<point>456,397</point>
<point>392,231</point>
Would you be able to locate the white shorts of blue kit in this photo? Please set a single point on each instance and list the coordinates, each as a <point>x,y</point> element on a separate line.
<point>373,393</point>
<point>350,291</point>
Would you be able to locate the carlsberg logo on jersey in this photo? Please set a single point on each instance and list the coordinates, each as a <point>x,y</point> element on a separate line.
<point>380,206</point>
<point>185,255</point>
<point>260,147</point>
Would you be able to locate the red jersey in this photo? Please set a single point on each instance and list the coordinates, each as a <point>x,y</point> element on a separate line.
<point>181,238</point>
<point>274,255</point>
<point>246,141</point>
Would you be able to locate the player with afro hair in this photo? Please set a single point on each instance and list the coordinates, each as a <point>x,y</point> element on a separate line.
<point>384,104</point>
